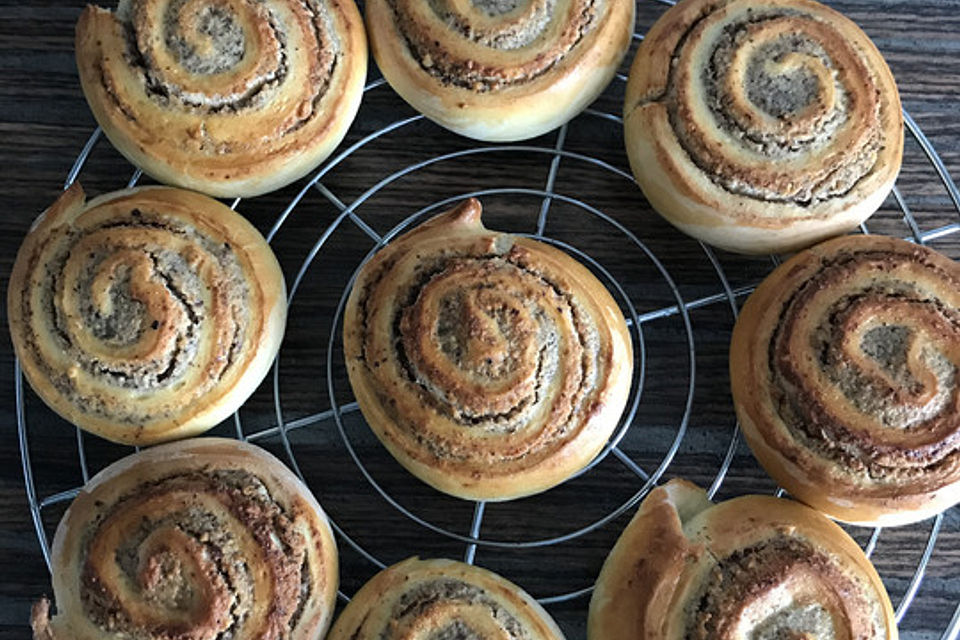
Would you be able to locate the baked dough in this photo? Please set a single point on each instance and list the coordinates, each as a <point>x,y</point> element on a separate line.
<point>147,314</point>
<point>844,365</point>
<point>499,70</point>
<point>491,366</point>
<point>752,567</point>
<point>762,127</point>
<point>205,538</point>
<point>230,98</point>
<point>442,599</point>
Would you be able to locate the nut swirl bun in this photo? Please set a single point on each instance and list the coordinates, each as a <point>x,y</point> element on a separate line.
<point>147,314</point>
<point>228,97</point>
<point>753,567</point>
<point>499,69</point>
<point>762,127</point>
<point>201,539</point>
<point>490,366</point>
<point>442,599</point>
<point>845,365</point>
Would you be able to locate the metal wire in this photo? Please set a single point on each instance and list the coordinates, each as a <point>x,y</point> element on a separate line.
<point>953,627</point>
<point>471,551</point>
<point>25,460</point>
<point>473,539</point>
<point>872,542</point>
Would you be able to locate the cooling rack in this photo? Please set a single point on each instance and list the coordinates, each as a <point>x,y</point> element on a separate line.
<point>571,189</point>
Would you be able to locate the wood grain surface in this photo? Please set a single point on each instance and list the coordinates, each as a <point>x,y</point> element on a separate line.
<point>44,122</point>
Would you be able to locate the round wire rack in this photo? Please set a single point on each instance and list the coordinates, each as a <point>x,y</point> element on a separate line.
<point>325,438</point>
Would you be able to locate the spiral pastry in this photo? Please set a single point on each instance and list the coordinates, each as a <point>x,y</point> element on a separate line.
<point>762,127</point>
<point>844,365</point>
<point>442,599</point>
<point>228,97</point>
<point>752,567</point>
<point>203,539</point>
<point>147,314</point>
<point>499,69</point>
<point>490,366</point>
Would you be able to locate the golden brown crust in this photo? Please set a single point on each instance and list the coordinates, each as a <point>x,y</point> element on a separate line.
<point>762,127</point>
<point>490,366</point>
<point>424,598</point>
<point>225,100</point>
<point>844,372</point>
<point>492,74</point>
<point>192,540</point>
<point>147,314</point>
<point>754,566</point>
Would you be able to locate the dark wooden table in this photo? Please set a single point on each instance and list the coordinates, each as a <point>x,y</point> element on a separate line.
<point>44,123</point>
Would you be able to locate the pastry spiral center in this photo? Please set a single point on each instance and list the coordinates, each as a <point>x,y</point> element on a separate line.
<point>145,304</point>
<point>498,24</point>
<point>473,341</point>
<point>206,37</point>
<point>123,302</point>
<point>786,86</point>
<point>780,83</point>
<point>872,365</point>
<point>120,291</point>
<point>774,104</point>
<point>482,336</point>
<point>176,558</point>
<point>484,331</point>
<point>172,577</point>
<point>451,621</point>
<point>891,366</point>
<point>801,622</point>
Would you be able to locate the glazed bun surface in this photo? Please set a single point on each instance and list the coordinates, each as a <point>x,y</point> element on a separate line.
<point>844,376</point>
<point>147,314</point>
<point>762,127</point>
<point>499,71</point>
<point>442,599</point>
<point>491,366</point>
<point>230,98</point>
<point>204,539</point>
